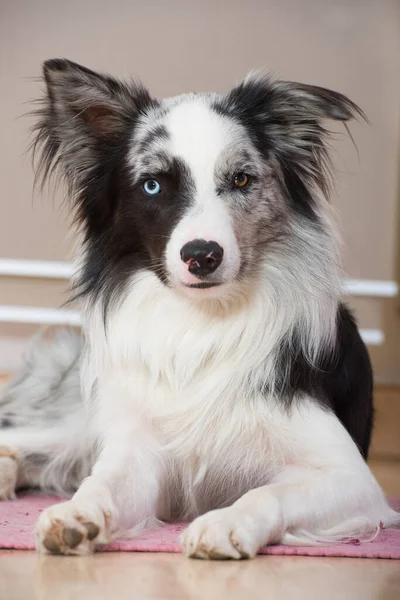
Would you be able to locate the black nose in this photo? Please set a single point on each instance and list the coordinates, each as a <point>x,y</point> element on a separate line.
<point>202,257</point>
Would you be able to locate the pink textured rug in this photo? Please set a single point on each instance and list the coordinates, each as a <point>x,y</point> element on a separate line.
<point>17,521</point>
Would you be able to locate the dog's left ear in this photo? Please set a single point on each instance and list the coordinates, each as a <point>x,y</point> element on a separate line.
<point>320,103</point>
<point>285,120</point>
<point>263,101</point>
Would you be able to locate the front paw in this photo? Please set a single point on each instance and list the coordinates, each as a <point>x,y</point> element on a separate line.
<point>222,534</point>
<point>72,529</point>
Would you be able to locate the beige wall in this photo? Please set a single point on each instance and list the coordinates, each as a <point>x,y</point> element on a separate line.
<point>176,46</point>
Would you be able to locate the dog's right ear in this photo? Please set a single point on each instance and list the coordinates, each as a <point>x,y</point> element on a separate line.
<point>84,116</point>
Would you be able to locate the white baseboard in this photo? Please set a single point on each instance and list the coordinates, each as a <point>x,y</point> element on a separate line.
<point>47,269</point>
<point>39,316</point>
<point>372,337</point>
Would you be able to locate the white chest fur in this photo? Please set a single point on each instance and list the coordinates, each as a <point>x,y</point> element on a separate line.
<point>192,375</point>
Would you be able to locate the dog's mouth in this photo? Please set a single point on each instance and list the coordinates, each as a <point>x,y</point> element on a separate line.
<point>202,285</point>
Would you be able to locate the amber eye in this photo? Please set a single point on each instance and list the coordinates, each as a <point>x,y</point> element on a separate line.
<point>241,180</point>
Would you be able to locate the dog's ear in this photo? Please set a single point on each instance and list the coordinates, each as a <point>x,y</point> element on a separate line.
<point>286,120</point>
<point>83,118</point>
<point>321,103</point>
<point>283,102</point>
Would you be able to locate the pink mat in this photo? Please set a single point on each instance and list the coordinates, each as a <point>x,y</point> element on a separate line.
<point>17,521</point>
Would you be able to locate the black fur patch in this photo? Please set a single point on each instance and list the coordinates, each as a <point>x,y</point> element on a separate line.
<point>341,380</point>
<point>136,237</point>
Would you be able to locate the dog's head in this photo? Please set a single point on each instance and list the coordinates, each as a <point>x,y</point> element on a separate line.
<point>202,188</point>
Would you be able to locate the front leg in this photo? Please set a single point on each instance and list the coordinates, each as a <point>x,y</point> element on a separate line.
<point>122,491</point>
<point>325,493</point>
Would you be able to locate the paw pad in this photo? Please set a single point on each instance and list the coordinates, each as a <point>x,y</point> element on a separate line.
<point>93,530</point>
<point>51,544</point>
<point>72,537</point>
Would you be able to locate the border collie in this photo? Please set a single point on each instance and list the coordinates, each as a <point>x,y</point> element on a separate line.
<point>221,380</point>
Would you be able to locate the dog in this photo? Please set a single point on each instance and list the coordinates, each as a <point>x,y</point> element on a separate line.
<point>219,378</point>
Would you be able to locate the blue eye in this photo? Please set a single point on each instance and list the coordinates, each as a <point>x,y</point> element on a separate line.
<point>152,187</point>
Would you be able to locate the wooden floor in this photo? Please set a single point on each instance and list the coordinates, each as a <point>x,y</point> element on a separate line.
<point>134,576</point>
<point>124,576</point>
